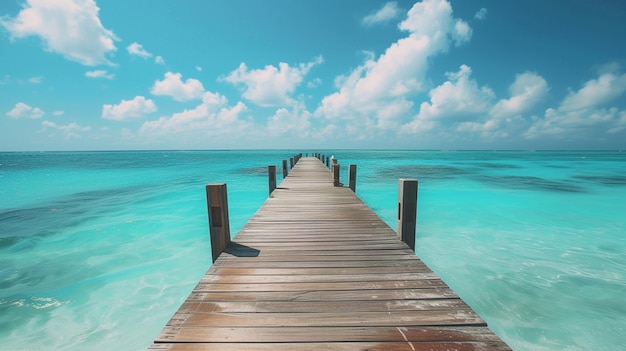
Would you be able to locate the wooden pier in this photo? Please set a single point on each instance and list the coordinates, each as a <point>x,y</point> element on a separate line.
<point>316,269</point>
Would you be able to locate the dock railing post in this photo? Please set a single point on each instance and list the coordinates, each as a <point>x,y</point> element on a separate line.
<point>327,163</point>
<point>219,225</point>
<point>407,211</point>
<point>285,170</point>
<point>271,174</point>
<point>352,178</point>
<point>291,163</point>
<point>335,171</point>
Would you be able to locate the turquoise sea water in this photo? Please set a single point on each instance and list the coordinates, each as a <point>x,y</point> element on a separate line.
<point>98,249</point>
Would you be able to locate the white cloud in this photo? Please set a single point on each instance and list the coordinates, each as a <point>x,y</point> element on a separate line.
<point>462,32</point>
<point>456,100</point>
<point>35,80</point>
<point>58,113</point>
<point>585,113</point>
<point>270,86</point>
<point>137,49</point>
<point>159,60</point>
<point>386,13</point>
<point>294,122</point>
<point>67,27</point>
<point>198,68</point>
<point>481,15</point>
<point>596,92</point>
<point>22,110</point>
<point>129,109</point>
<point>173,86</point>
<point>99,73</point>
<point>69,130</point>
<point>527,91</point>
<point>212,118</point>
<point>399,73</point>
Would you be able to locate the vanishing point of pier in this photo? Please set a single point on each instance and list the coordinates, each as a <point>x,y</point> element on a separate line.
<point>316,269</point>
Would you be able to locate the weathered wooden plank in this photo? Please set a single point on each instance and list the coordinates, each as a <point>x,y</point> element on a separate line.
<point>342,346</point>
<point>320,264</point>
<point>356,278</point>
<point>333,319</point>
<point>341,295</point>
<point>335,334</point>
<point>319,286</point>
<point>201,306</point>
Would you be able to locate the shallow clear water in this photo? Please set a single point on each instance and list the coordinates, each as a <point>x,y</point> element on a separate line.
<point>98,249</point>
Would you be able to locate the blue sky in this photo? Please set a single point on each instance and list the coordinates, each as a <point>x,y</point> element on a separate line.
<point>314,74</point>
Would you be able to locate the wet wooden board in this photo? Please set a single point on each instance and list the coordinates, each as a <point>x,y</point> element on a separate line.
<point>316,269</point>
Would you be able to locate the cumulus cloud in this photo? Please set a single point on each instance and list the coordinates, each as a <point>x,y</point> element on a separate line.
<point>99,73</point>
<point>69,131</point>
<point>159,60</point>
<point>129,109</point>
<point>295,121</point>
<point>481,15</point>
<point>457,100</point>
<point>596,92</point>
<point>137,49</point>
<point>71,28</point>
<point>270,86</point>
<point>386,13</point>
<point>527,91</point>
<point>399,73</point>
<point>507,116</point>
<point>173,86</point>
<point>22,110</point>
<point>586,112</point>
<point>212,118</point>
<point>58,113</point>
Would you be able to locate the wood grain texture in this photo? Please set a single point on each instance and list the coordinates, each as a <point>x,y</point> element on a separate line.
<point>316,269</point>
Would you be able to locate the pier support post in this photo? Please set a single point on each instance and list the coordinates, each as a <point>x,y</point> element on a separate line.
<point>291,163</point>
<point>327,163</point>
<point>219,225</point>
<point>271,174</point>
<point>335,171</point>
<point>352,178</point>
<point>285,170</point>
<point>407,211</point>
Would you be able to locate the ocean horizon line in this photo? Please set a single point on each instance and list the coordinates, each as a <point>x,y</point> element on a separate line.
<point>312,150</point>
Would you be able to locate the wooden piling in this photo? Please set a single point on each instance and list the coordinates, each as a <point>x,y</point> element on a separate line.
<point>291,163</point>
<point>335,171</point>
<point>219,224</point>
<point>285,170</point>
<point>407,211</point>
<point>271,174</point>
<point>352,178</point>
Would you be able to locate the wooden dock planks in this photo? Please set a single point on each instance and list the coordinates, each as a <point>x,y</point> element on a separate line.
<point>316,269</point>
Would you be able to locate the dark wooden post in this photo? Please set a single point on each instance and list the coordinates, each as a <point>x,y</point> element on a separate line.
<point>219,225</point>
<point>285,170</point>
<point>352,178</point>
<point>335,170</point>
<point>327,163</point>
<point>271,174</point>
<point>407,211</point>
<point>291,163</point>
